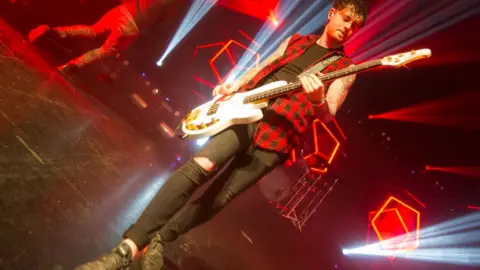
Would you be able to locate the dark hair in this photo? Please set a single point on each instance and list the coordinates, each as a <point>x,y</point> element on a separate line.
<point>359,7</point>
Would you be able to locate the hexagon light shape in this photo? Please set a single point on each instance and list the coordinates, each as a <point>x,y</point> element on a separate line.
<point>400,210</point>
<point>224,48</point>
<point>318,150</point>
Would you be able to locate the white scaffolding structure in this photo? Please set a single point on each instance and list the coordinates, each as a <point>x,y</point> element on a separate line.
<point>309,191</point>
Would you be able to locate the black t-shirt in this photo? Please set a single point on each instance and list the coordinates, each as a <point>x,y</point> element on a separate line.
<point>291,70</point>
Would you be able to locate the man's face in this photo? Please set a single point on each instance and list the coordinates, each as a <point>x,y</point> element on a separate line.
<point>342,24</point>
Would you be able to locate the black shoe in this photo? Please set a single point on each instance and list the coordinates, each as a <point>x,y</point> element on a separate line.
<point>119,259</point>
<point>152,258</point>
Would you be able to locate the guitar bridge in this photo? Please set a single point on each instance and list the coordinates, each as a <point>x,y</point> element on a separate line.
<point>213,109</point>
<point>201,126</point>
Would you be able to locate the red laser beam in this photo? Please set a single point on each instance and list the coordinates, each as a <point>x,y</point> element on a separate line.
<point>206,46</point>
<point>200,80</point>
<point>454,111</point>
<point>199,95</point>
<point>249,38</point>
<point>339,129</point>
<point>471,171</point>
<point>415,198</point>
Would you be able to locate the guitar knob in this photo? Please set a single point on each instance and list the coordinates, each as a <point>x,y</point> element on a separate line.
<point>191,127</point>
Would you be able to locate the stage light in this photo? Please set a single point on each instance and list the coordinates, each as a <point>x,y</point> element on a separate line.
<point>196,12</point>
<point>273,19</point>
<point>201,142</point>
<point>402,210</point>
<point>451,242</point>
<point>269,41</point>
<point>380,36</point>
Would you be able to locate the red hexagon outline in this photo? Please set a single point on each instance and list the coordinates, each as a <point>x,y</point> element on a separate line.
<point>225,47</point>
<point>317,151</point>
<point>408,235</point>
<point>417,231</point>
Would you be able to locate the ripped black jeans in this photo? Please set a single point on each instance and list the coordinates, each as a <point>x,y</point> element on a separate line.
<point>167,212</point>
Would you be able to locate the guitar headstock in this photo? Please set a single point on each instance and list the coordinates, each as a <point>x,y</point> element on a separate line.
<point>405,58</point>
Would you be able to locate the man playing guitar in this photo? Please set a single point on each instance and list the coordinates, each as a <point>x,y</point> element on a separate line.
<point>254,149</point>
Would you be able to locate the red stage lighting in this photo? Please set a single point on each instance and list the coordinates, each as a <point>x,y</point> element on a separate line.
<point>257,9</point>
<point>224,48</point>
<point>395,218</point>
<point>322,149</point>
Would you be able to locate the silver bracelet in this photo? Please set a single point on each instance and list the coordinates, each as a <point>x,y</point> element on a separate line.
<point>321,102</point>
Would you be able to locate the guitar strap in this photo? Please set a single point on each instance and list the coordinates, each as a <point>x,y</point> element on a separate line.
<point>321,65</point>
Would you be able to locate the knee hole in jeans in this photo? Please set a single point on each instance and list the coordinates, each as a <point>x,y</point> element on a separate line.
<point>205,163</point>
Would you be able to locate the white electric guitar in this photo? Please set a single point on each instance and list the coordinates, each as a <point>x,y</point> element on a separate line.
<point>246,107</point>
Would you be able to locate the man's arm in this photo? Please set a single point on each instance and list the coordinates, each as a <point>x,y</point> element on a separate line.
<point>336,95</point>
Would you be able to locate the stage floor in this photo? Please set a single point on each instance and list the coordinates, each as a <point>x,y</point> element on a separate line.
<point>74,176</point>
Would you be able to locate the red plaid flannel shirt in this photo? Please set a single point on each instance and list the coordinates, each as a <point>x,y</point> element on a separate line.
<point>290,115</point>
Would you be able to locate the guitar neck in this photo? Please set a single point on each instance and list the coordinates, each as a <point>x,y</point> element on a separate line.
<point>272,93</point>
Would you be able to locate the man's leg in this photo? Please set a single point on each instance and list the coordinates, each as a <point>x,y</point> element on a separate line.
<point>102,27</point>
<point>110,47</point>
<point>246,170</point>
<point>62,31</point>
<point>179,187</point>
<point>122,32</point>
<point>176,191</point>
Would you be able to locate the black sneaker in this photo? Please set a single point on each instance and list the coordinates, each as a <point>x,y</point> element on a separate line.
<point>152,258</point>
<point>119,259</point>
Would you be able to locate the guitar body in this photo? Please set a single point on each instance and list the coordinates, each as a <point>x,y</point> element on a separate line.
<point>222,112</point>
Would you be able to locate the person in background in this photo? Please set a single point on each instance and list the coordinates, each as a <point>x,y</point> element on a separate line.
<point>120,26</point>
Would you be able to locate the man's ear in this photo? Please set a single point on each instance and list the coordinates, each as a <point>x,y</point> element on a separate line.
<point>331,13</point>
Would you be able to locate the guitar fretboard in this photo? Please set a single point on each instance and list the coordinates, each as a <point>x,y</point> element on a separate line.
<point>324,78</point>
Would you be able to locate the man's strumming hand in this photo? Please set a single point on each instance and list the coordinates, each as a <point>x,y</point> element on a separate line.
<point>313,87</point>
<point>226,88</point>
